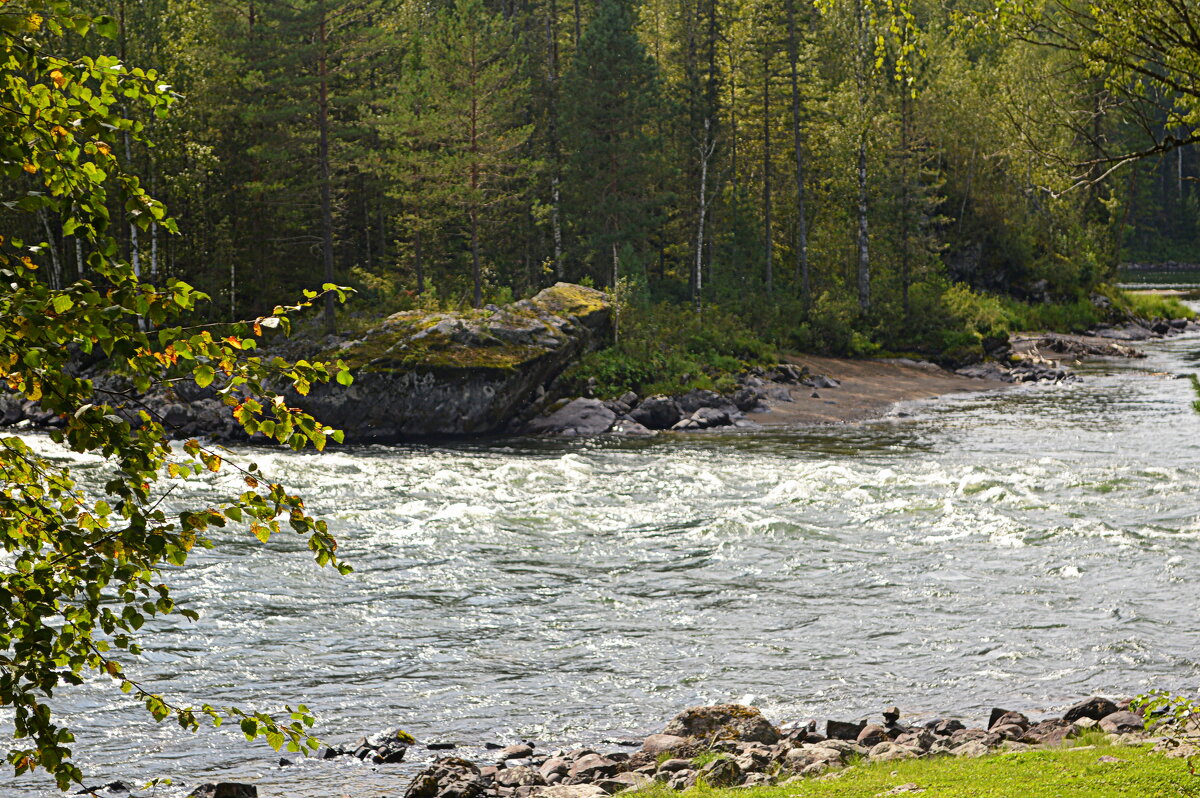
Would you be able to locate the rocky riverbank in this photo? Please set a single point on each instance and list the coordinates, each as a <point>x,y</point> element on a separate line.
<point>731,745</point>
<point>420,374</point>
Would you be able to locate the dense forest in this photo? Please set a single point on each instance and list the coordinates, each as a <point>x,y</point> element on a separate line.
<point>840,176</point>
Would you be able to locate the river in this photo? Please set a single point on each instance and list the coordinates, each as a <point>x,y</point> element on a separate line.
<point>1019,548</point>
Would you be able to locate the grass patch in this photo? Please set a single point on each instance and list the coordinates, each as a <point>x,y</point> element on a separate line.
<point>671,350</point>
<point>1051,773</point>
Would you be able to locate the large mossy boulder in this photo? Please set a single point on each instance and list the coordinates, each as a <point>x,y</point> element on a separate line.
<point>425,374</point>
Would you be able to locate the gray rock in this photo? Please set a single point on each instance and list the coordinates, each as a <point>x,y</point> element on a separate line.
<point>519,777</point>
<point>841,730</point>
<point>1095,708</point>
<point>658,743</point>
<point>945,727</point>
<point>871,736</point>
<point>657,412</point>
<point>973,749</point>
<point>1000,716</point>
<point>627,426</point>
<point>554,765</point>
<point>577,418</point>
<point>591,768</point>
<point>722,772</point>
<point>889,751</point>
<point>449,777</point>
<point>573,791</point>
<point>1122,723</point>
<point>624,781</point>
<point>468,377</point>
<point>522,751</point>
<point>225,789</point>
<point>723,721</point>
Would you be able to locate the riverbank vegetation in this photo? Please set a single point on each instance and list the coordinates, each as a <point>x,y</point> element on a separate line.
<point>1088,770</point>
<point>846,177</point>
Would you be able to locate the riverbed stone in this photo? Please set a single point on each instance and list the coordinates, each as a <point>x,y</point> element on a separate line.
<point>592,767</point>
<point>657,412</point>
<point>448,777</point>
<point>572,791</point>
<point>723,772</point>
<point>658,743</point>
<point>1095,708</point>
<point>945,727</point>
<point>520,776</point>
<point>972,748</point>
<point>577,418</point>
<point>624,781</point>
<point>225,789</point>
<point>871,736</point>
<point>843,730</point>
<point>888,751</point>
<point>1122,723</point>
<point>1002,717</point>
<point>723,721</point>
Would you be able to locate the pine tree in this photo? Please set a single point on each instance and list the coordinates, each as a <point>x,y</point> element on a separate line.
<point>610,96</point>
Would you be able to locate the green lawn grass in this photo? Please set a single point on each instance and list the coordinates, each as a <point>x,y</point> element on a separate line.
<point>1044,773</point>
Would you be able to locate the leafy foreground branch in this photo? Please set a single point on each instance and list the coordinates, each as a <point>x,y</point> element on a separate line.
<point>83,570</point>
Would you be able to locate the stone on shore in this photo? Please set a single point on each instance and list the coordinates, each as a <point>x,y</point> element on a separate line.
<point>449,777</point>
<point>724,721</point>
<point>419,374</point>
<point>1122,723</point>
<point>657,413</point>
<point>658,743</point>
<point>577,418</point>
<point>1095,708</point>
<point>225,789</point>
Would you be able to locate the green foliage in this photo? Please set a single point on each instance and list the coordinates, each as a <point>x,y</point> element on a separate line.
<point>1175,717</point>
<point>86,568</point>
<point>669,349</point>
<point>1044,773</point>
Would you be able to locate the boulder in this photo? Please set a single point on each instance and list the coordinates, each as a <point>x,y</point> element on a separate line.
<point>658,743</point>
<point>520,776</point>
<point>722,772</point>
<point>225,789</point>
<point>628,427</point>
<point>657,412</point>
<point>842,730</point>
<point>573,791</point>
<point>723,721</point>
<point>1122,723</point>
<point>973,749</point>
<point>697,398</point>
<point>871,736</point>
<point>704,418</point>
<point>624,781</point>
<point>449,777</point>
<point>888,751</point>
<point>519,751</point>
<point>945,727</point>
<point>1095,708</point>
<point>591,768</point>
<point>577,418</point>
<point>418,374</point>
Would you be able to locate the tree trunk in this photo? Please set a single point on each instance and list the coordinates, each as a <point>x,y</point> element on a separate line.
<point>706,151</point>
<point>417,262</point>
<point>905,196</point>
<point>768,243</point>
<point>552,136</point>
<point>323,157</point>
<point>860,75</point>
<point>798,143</point>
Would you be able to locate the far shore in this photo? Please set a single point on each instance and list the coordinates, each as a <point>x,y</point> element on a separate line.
<point>869,389</point>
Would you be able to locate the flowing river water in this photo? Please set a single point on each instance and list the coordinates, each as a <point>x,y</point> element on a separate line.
<point>1020,548</point>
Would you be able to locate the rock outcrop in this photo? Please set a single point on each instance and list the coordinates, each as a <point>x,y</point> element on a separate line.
<point>422,375</point>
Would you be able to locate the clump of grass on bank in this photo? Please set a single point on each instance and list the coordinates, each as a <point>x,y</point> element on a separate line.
<point>670,349</point>
<point>1045,773</point>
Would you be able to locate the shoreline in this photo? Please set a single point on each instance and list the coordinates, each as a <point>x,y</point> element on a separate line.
<point>735,745</point>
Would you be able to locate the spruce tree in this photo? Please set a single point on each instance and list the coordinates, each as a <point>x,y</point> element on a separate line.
<point>610,96</point>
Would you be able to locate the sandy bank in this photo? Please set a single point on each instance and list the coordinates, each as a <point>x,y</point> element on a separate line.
<point>869,388</point>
